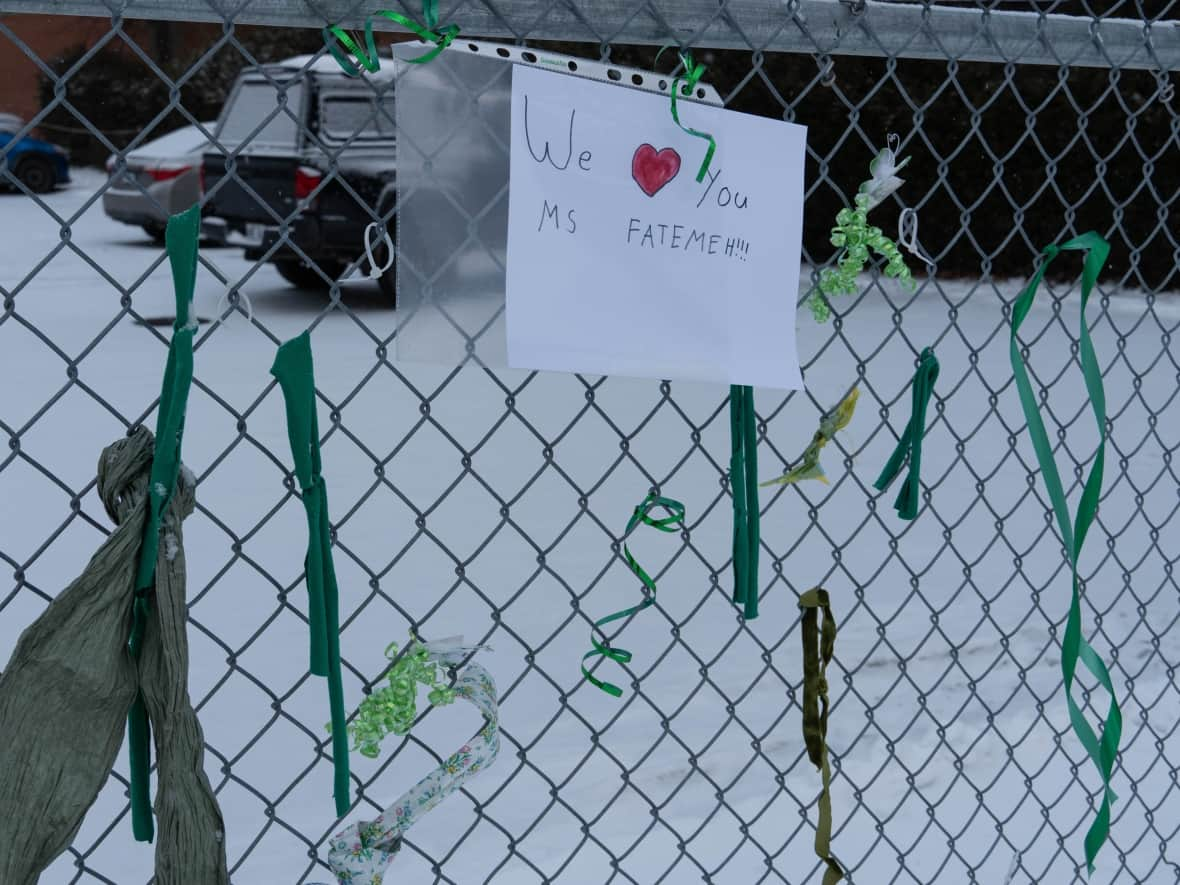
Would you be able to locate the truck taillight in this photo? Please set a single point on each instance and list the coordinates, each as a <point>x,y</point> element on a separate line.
<point>164,173</point>
<point>307,179</point>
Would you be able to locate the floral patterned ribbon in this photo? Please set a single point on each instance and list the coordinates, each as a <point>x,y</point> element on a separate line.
<point>360,854</point>
<point>1074,647</point>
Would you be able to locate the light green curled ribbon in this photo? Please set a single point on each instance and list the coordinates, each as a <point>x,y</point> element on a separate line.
<point>180,237</point>
<point>670,523</point>
<point>910,443</point>
<point>818,648</point>
<point>370,61</point>
<point>1073,646</point>
<point>857,237</point>
<point>393,709</point>
<point>692,75</point>
<point>293,369</point>
<point>743,486</point>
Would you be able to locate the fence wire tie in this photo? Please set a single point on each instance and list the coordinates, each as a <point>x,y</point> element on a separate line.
<point>375,271</point>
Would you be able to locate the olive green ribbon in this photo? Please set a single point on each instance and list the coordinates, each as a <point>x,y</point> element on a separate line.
<point>818,647</point>
<point>641,515</point>
<point>180,237</point>
<point>370,60</point>
<point>1073,646</point>
<point>294,371</point>
<point>909,446</point>
<point>743,485</point>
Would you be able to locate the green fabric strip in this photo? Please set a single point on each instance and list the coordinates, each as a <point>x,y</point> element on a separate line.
<point>181,236</point>
<point>743,485</point>
<point>294,371</point>
<point>910,444</point>
<point>1073,646</point>
<point>818,648</point>
<point>674,521</point>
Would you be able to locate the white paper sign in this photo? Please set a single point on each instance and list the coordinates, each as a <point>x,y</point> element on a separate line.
<point>621,263</point>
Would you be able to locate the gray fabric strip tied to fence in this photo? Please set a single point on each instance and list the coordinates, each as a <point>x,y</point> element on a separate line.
<point>65,693</point>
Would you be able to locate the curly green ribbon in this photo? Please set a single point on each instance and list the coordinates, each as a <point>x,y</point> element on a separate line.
<point>692,75</point>
<point>370,60</point>
<point>743,485</point>
<point>180,237</point>
<point>1074,646</point>
<point>393,709</point>
<point>818,648</point>
<point>294,371</point>
<point>856,236</point>
<point>670,523</point>
<point>910,443</point>
<point>807,465</point>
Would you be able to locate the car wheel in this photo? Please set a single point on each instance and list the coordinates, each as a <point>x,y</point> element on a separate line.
<point>156,232</point>
<point>37,175</point>
<point>301,276</point>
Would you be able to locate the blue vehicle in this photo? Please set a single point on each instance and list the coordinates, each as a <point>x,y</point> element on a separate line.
<point>38,165</point>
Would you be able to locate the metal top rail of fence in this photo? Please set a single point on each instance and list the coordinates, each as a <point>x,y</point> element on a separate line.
<point>493,502</point>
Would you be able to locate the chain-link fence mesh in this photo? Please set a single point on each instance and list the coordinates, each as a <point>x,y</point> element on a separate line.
<point>491,502</point>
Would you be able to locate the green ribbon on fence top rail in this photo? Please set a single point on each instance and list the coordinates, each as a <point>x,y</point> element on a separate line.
<point>180,237</point>
<point>910,443</point>
<point>1074,647</point>
<point>743,486</point>
<point>370,60</point>
<point>294,371</point>
<point>818,647</point>
<point>670,523</point>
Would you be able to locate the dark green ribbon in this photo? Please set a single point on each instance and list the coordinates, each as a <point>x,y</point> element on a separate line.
<point>294,371</point>
<point>641,515</point>
<point>1074,647</point>
<point>692,75</point>
<point>743,485</point>
<point>818,648</point>
<point>910,444</point>
<point>370,60</point>
<point>180,237</point>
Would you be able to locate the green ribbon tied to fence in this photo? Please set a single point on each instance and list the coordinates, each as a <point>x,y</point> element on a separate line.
<point>674,521</point>
<point>909,446</point>
<point>369,60</point>
<point>818,647</point>
<point>180,237</point>
<point>294,371</point>
<point>1074,647</point>
<point>743,486</point>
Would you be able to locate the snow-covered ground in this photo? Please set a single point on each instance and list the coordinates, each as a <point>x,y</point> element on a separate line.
<point>927,789</point>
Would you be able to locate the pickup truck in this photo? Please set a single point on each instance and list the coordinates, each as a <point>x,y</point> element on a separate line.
<point>323,166</point>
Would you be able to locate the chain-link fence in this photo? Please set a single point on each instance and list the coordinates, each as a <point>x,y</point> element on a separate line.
<point>491,502</point>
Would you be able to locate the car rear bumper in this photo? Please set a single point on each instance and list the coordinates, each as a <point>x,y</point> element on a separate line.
<point>156,203</point>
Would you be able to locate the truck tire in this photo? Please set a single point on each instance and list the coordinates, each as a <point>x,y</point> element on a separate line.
<point>37,175</point>
<point>155,230</point>
<point>301,276</point>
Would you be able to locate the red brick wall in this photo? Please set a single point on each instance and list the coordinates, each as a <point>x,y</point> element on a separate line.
<point>50,35</point>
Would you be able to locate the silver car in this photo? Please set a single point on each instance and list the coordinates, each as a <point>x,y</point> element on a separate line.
<point>161,178</point>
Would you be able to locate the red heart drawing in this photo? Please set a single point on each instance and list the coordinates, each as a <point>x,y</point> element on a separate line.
<point>652,169</point>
